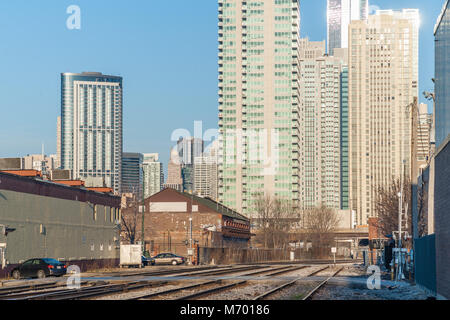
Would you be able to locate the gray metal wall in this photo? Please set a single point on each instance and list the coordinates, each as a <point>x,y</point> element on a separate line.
<point>425,262</point>
<point>442,218</point>
<point>69,231</point>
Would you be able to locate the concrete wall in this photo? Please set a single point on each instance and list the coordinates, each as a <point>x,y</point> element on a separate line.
<point>57,228</point>
<point>442,218</point>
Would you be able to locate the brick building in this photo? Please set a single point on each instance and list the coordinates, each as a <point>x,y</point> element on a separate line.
<point>167,223</point>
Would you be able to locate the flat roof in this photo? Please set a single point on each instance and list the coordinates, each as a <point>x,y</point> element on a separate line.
<point>45,188</point>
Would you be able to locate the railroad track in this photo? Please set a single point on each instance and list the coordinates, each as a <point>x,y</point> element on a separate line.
<point>108,289</point>
<point>322,284</point>
<point>29,287</point>
<point>239,283</point>
<point>207,283</point>
<point>45,292</point>
<point>288,284</point>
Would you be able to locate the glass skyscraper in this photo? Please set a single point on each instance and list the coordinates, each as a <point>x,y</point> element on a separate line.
<point>339,15</point>
<point>153,174</point>
<point>91,127</point>
<point>442,75</point>
<point>132,175</point>
<point>320,115</point>
<point>258,101</point>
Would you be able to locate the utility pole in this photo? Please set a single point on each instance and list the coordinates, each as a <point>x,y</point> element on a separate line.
<point>143,209</point>
<point>400,212</point>
<point>191,253</point>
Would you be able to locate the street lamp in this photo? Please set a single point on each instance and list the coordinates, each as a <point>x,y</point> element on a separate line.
<point>143,209</point>
<point>190,240</point>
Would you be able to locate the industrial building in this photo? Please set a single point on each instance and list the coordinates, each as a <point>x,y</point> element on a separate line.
<point>168,225</point>
<point>74,225</point>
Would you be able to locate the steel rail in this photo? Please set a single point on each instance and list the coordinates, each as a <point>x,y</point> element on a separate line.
<point>161,293</point>
<point>287,284</point>
<point>239,283</point>
<point>323,283</point>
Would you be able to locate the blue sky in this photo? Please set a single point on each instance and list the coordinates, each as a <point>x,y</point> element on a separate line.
<point>166,51</point>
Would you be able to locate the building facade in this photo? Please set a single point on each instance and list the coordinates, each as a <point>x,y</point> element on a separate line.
<point>339,15</point>
<point>168,228</point>
<point>174,176</point>
<point>320,131</point>
<point>206,174</point>
<point>442,74</point>
<point>383,85</point>
<point>76,226</point>
<point>58,143</point>
<point>258,101</point>
<point>40,162</point>
<point>189,148</point>
<point>424,126</point>
<point>345,204</point>
<point>91,126</point>
<point>132,176</point>
<point>153,174</point>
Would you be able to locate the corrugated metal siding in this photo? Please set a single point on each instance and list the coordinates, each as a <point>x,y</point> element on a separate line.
<point>425,262</point>
<point>69,231</point>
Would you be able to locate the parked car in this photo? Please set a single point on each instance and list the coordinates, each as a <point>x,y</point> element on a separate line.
<point>39,268</point>
<point>169,258</point>
<point>147,261</point>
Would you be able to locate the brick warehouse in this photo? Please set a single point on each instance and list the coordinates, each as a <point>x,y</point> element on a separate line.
<point>167,225</point>
<point>75,225</point>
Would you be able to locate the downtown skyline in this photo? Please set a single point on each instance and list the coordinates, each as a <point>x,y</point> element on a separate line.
<point>143,131</point>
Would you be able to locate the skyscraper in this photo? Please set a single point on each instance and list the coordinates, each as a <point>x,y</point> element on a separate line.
<point>345,204</point>
<point>442,74</point>
<point>91,126</point>
<point>205,170</point>
<point>153,174</point>
<point>320,133</point>
<point>58,143</point>
<point>339,15</point>
<point>424,124</point>
<point>258,101</point>
<point>132,176</point>
<point>174,177</point>
<point>382,88</point>
<point>189,148</point>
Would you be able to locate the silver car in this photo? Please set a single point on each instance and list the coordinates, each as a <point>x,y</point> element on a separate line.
<point>169,258</point>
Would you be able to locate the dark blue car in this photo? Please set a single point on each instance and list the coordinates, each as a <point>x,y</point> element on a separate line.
<point>39,268</point>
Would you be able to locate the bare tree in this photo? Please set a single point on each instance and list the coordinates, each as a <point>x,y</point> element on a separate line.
<point>130,217</point>
<point>387,206</point>
<point>275,217</point>
<point>319,225</point>
<point>263,206</point>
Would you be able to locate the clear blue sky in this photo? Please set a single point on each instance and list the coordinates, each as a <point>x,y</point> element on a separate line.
<point>166,51</point>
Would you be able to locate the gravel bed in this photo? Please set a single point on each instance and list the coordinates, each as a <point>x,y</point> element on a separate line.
<point>402,292</point>
<point>255,288</point>
<point>137,293</point>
